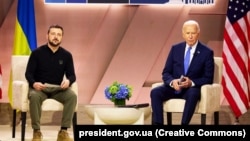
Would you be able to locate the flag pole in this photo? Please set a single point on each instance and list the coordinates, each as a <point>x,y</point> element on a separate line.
<point>237,121</point>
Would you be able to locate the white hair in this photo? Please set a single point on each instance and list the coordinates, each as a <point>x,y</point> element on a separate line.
<point>191,22</point>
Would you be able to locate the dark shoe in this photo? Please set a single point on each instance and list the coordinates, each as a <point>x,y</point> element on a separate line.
<point>37,136</point>
<point>63,135</point>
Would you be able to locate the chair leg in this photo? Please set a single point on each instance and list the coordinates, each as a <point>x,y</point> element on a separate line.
<point>216,118</point>
<point>74,121</point>
<point>152,121</point>
<point>14,124</point>
<point>203,119</point>
<point>169,118</point>
<point>23,126</point>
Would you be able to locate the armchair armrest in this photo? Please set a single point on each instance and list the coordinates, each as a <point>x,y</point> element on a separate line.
<point>210,98</point>
<point>20,95</point>
<point>74,87</point>
<point>156,84</point>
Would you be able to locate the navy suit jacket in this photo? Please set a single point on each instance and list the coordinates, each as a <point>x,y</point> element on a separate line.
<point>201,68</point>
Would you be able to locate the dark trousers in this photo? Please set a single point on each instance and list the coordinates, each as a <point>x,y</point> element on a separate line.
<point>163,93</point>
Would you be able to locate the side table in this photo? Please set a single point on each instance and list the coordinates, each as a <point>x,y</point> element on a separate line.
<point>111,115</point>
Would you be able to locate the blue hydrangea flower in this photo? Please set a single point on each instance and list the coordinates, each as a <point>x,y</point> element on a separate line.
<point>118,91</point>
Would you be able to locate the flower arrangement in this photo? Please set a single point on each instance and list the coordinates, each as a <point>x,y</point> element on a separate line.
<point>118,91</point>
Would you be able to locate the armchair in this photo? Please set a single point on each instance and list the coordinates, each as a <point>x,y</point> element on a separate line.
<point>20,100</point>
<point>209,102</point>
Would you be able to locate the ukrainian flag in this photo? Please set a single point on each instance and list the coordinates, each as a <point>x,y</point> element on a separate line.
<point>25,32</point>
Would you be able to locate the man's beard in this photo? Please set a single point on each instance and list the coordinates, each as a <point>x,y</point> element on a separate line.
<point>53,44</point>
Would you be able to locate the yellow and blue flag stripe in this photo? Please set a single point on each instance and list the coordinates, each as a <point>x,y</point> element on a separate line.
<point>25,28</point>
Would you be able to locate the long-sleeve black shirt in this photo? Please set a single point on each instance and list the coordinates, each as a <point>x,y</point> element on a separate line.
<point>50,67</point>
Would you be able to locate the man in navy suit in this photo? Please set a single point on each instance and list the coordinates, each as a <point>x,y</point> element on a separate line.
<point>200,71</point>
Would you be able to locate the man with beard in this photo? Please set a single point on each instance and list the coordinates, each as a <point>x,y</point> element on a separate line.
<point>51,65</point>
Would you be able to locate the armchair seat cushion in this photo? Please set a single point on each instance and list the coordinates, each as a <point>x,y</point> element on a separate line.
<point>52,105</point>
<point>174,105</point>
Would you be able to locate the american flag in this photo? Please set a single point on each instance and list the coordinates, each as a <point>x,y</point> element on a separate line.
<point>236,56</point>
